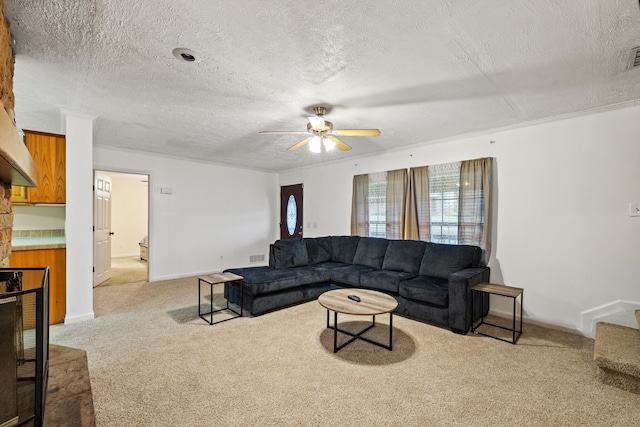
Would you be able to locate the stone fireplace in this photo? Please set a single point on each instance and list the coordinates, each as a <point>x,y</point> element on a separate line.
<point>24,316</point>
<point>16,165</point>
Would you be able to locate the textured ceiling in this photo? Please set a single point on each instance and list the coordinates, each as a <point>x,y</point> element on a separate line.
<point>418,70</point>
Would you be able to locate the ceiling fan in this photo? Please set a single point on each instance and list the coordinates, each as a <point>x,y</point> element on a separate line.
<point>323,134</point>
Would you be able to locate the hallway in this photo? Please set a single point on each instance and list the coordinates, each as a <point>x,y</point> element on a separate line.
<point>126,270</point>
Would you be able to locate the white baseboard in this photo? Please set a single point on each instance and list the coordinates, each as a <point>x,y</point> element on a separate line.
<point>528,320</point>
<point>80,318</point>
<point>182,276</point>
<point>619,312</point>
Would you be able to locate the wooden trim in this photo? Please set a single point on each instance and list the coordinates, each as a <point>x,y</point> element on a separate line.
<point>37,132</point>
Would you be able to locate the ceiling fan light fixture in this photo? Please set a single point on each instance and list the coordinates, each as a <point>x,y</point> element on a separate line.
<point>328,144</point>
<point>315,144</point>
<point>323,136</point>
<point>317,123</point>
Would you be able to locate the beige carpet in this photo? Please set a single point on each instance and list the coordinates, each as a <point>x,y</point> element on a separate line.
<point>617,354</point>
<point>152,361</point>
<point>125,270</point>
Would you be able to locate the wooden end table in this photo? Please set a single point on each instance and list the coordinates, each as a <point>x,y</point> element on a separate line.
<point>216,279</point>
<point>505,291</point>
<point>371,303</point>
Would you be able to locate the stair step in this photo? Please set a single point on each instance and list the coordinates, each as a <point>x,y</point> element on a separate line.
<point>617,354</point>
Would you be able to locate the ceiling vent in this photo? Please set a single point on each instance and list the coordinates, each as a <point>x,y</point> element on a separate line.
<point>634,58</point>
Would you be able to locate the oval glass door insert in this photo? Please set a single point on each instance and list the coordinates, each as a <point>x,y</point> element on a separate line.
<point>292,215</point>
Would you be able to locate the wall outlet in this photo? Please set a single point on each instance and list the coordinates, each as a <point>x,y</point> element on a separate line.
<point>634,209</point>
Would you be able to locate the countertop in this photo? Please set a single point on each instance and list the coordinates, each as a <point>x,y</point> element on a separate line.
<point>34,243</point>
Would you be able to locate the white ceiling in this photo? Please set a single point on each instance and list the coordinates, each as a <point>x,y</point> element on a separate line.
<point>418,70</point>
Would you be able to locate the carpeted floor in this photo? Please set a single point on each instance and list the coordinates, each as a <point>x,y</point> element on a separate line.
<point>125,270</point>
<point>152,361</point>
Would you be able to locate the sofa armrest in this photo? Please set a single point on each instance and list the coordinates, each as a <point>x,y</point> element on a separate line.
<point>272,258</point>
<point>460,284</point>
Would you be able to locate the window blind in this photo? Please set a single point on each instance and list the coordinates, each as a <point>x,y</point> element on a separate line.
<point>444,185</point>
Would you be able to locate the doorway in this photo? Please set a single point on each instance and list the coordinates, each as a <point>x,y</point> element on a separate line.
<point>291,211</point>
<point>128,230</point>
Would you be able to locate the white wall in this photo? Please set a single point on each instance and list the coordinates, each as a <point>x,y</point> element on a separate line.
<point>213,212</point>
<point>79,217</point>
<point>129,213</point>
<point>563,232</point>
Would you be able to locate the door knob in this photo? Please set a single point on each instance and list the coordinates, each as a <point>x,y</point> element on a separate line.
<point>111,233</point>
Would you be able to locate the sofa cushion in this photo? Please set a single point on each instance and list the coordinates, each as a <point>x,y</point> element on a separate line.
<point>329,265</point>
<point>343,248</point>
<point>431,290</point>
<point>263,280</point>
<point>290,253</point>
<point>370,252</point>
<point>350,274</point>
<point>442,260</point>
<point>318,249</point>
<point>383,280</point>
<point>404,255</point>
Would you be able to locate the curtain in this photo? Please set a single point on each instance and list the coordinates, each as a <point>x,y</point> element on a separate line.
<point>395,203</point>
<point>417,218</point>
<point>360,206</point>
<point>474,205</point>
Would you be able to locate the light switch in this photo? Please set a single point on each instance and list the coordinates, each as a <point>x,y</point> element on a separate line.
<point>634,209</point>
<point>165,190</point>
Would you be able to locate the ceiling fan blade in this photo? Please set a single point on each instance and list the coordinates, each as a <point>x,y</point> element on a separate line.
<point>283,132</point>
<point>341,145</point>
<point>356,132</point>
<point>299,144</point>
<point>317,123</point>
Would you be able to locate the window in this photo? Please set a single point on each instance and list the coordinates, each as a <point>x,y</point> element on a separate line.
<point>292,215</point>
<point>378,204</point>
<point>448,203</point>
<point>444,186</point>
<point>377,198</point>
<point>451,203</point>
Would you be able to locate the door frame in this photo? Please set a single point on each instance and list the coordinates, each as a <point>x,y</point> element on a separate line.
<point>150,263</point>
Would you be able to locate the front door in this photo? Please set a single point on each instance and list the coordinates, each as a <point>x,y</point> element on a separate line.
<point>102,229</point>
<point>291,211</point>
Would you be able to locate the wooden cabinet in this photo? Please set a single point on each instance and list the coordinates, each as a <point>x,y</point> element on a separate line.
<point>56,260</point>
<point>49,154</point>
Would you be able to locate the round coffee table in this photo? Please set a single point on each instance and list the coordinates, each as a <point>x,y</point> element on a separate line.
<point>372,303</point>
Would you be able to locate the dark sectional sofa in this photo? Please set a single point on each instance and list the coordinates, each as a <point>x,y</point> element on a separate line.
<point>432,282</point>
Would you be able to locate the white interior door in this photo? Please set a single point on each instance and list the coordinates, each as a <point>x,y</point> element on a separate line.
<point>102,229</point>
